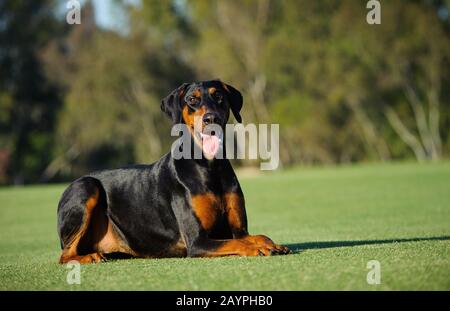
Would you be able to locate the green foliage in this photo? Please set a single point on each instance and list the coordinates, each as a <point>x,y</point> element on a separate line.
<point>28,102</point>
<point>111,115</point>
<point>341,90</point>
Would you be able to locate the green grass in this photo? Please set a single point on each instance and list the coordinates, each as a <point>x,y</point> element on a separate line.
<point>336,219</point>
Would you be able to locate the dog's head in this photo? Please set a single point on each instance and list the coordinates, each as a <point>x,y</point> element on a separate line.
<point>202,105</point>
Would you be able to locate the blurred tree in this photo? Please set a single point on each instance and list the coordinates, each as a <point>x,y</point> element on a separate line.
<point>115,83</point>
<point>416,70</point>
<point>231,44</point>
<point>402,62</point>
<point>365,76</point>
<point>304,62</point>
<point>342,90</point>
<point>28,102</point>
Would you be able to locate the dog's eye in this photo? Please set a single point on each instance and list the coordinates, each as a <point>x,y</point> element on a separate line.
<point>218,95</point>
<point>192,100</point>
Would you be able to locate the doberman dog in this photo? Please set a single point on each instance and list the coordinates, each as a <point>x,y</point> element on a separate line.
<point>172,208</point>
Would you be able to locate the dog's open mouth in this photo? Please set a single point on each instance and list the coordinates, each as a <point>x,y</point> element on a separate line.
<point>210,143</point>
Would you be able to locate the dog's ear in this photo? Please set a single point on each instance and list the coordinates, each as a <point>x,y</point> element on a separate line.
<point>236,101</point>
<point>172,103</point>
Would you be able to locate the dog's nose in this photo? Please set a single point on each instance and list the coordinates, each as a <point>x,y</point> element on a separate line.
<point>211,118</point>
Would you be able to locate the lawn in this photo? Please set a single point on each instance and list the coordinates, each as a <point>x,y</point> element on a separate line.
<point>336,219</point>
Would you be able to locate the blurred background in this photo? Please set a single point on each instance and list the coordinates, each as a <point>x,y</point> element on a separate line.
<point>75,98</point>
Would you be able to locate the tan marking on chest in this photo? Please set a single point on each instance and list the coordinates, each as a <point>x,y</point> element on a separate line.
<point>207,207</point>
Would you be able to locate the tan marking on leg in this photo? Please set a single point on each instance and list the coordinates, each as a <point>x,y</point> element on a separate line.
<point>238,247</point>
<point>235,209</point>
<point>176,250</point>
<point>71,251</point>
<point>110,242</point>
<point>264,241</point>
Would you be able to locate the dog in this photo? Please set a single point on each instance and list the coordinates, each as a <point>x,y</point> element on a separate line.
<point>188,207</point>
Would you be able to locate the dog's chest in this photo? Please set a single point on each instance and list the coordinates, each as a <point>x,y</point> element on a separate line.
<point>209,209</point>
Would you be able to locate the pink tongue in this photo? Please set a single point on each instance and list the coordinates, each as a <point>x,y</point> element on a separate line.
<point>210,145</point>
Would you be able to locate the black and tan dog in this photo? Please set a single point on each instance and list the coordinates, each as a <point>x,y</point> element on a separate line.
<point>171,208</point>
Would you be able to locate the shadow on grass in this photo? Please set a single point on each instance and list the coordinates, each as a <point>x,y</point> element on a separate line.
<point>298,247</point>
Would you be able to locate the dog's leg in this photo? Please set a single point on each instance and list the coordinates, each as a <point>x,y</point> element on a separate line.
<point>237,220</point>
<point>81,206</point>
<point>204,247</point>
<point>196,229</point>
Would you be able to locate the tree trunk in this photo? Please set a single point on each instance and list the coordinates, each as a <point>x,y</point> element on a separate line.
<point>433,118</point>
<point>421,120</point>
<point>373,139</point>
<point>407,137</point>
